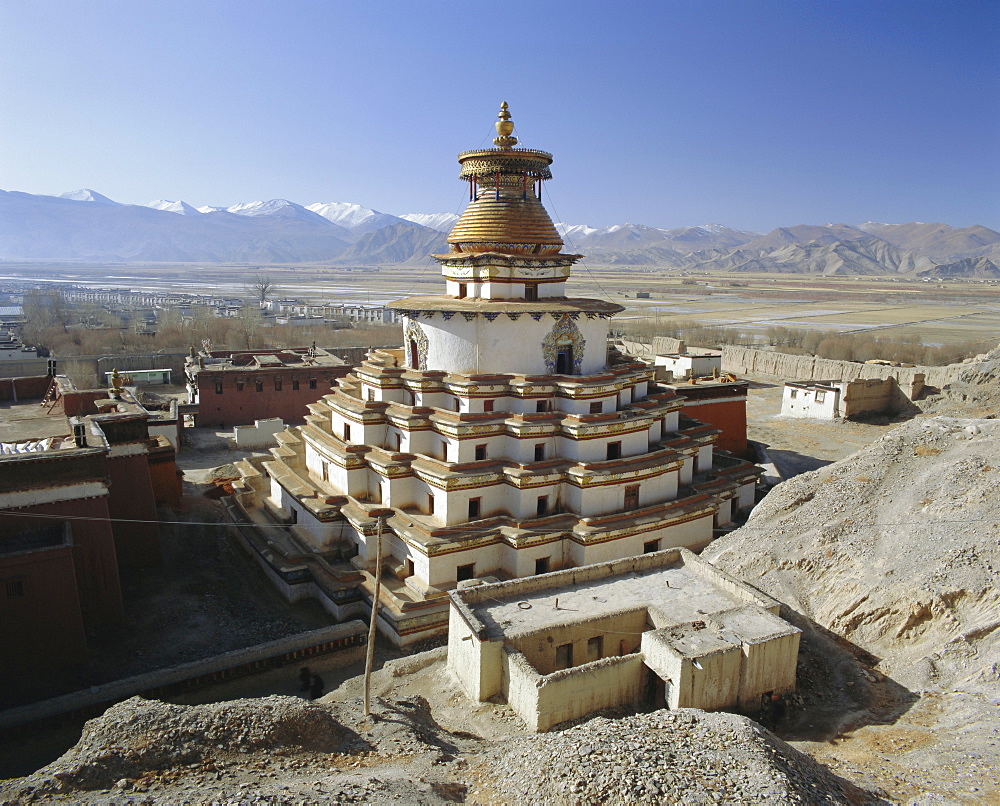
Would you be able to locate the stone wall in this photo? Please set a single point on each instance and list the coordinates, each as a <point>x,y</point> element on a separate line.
<point>749,361</point>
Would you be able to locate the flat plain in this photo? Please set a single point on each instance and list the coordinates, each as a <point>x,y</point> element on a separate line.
<point>937,312</point>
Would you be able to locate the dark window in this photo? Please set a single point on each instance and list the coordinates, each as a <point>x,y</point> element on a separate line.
<point>595,648</point>
<point>458,404</point>
<point>398,438</point>
<point>371,394</point>
<point>295,384</point>
<point>615,450</point>
<point>564,361</point>
<point>480,452</point>
<point>312,383</point>
<point>15,588</point>
<point>239,386</point>
<point>277,384</point>
<point>542,565</point>
<point>414,355</point>
<point>564,656</point>
<point>462,291</point>
<point>539,452</point>
<point>218,387</point>
<point>631,496</point>
<point>596,408</point>
<point>651,546</point>
<point>487,405</point>
<point>430,504</point>
<point>542,405</point>
<point>542,505</point>
<point>347,432</point>
<point>260,386</point>
<point>531,292</point>
<point>474,507</point>
<point>295,516</point>
<point>465,572</point>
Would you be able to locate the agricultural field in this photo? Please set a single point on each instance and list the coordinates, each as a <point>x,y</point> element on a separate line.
<point>937,313</point>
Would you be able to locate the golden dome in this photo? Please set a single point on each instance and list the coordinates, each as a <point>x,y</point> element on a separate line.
<point>505,213</point>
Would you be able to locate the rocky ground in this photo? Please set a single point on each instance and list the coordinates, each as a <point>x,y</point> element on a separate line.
<point>287,750</point>
<point>895,551</point>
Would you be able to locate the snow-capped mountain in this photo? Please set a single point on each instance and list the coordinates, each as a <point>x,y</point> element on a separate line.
<point>640,236</point>
<point>353,217</point>
<point>85,225</point>
<point>278,208</point>
<point>179,207</point>
<point>87,195</point>
<point>442,222</point>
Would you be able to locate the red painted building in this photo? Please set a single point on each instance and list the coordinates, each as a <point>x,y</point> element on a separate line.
<point>237,387</point>
<point>721,403</point>
<point>78,501</point>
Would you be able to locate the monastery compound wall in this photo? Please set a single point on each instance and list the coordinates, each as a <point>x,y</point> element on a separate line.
<point>749,361</point>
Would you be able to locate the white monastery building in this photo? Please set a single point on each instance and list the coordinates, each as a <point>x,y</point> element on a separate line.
<point>667,629</point>
<point>504,439</point>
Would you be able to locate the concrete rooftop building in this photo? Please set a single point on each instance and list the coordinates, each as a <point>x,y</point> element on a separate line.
<point>665,628</point>
<point>505,436</point>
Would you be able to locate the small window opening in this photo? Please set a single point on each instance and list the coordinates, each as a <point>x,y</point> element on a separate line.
<point>595,648</point>
<point>596,408</point>
<point>542,565</point>
<point>531,292</point>
<point>347,432</point>
<point>430,504</point>
<point>539,452</point>
<point>259,385</point>
<point>542,506</point>
<point>465,572</point>
<point>631,496</point>
<point>615,450</point>
<point>487,405</point>
<point>480,452</point>
<point>218,387</point>
<point>312,383</point>
<point>295,384</point>
<point>564,656</point>
<point>474,508</point>
<point>542,405</point>
<point>277,384</point>
<point>462,290</point>
<point>650,546</point>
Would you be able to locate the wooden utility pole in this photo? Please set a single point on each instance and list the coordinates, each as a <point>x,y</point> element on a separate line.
<point>381,515</point>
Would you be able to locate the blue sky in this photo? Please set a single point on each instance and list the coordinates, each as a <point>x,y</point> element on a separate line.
<point>745,113</point>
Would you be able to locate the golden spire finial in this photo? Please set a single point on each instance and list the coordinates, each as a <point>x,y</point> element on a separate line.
<point>505,129</point>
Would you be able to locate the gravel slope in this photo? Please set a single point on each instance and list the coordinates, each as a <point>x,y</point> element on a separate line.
<point>897,549</point>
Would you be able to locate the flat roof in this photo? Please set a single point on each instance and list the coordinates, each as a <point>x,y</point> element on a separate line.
<point>676,588</point>
<point>21,422</point>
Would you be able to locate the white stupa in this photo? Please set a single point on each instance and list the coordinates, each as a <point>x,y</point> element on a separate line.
<point>504,439</point>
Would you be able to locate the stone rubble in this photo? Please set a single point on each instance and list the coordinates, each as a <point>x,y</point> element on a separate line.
<point>683,756</point>
<point>286,750</point>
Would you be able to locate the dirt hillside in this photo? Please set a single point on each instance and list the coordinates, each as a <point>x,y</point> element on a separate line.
<point>897,549</point>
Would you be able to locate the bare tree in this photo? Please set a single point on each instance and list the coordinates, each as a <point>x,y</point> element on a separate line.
<point>260,287</point>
